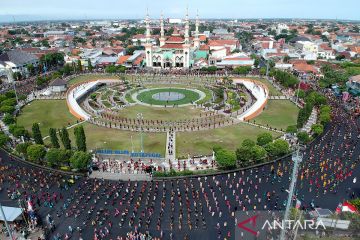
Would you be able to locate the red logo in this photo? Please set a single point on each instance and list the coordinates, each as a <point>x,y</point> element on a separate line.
<point>252,221</point>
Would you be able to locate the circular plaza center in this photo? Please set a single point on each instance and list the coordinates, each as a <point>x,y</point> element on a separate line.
<point>168,96</point>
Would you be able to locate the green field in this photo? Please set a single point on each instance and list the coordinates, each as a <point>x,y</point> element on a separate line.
<point>89,77</point>
<point>189,96</point>
<point>157,113</point>
<point>106,138</point>
<point>48,113</point>
<point>202,142</point>
<point>278,114</point>
<point>55,114</point>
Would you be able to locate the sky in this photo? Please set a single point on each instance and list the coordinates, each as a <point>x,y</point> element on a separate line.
<point>20,10</point>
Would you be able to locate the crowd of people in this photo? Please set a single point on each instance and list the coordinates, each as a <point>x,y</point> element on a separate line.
<point>78,207</point>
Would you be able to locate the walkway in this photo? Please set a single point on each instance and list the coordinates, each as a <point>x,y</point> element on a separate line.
<point>312,120</point>
<point>279,97</point>
<point>170,153</point>
<point>69,127</point>
<point>267,128</point>
<point>120,176</point>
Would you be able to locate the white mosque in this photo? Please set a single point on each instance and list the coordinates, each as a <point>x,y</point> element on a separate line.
<point>175,51</point>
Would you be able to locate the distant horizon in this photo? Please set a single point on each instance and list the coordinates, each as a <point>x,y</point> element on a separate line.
<point>67,10</point>
<point>30,19</point>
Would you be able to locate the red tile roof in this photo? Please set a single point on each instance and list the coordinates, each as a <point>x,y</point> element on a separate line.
<point>222,42</point>
<point>138,60</point>
<point>202,38</point>
<point>122,59</point>
<point>173,45</point>
<point>175,39</point>
<point>303,67</point>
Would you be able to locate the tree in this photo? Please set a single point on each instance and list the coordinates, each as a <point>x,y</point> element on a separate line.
<point>242,70</point>
<point>243,155</point>
<point>57,157</point>
<point>286,79</point>
<point>10,94</point>
<point>258,153</point>
<point>36,152</point>
<point>325,114</point>
<point>3,139</point>
<point>8,119</point>
<point>277,148</point>
<point>226,159</point>
<point>317,129</point>
<point>90,67</point>
<point>248,143</point>
<point>286,59</point>
<point>264,139</point>
<point>37,134</point>
<point>300,93</point>
<point>53,138</point>
<point>262,71</point>
<point>80,138</point>
<point>64,135</point>
<point>303,137</point>
<point>80,160</point>
<point>7,109</point>
<point>18,131</point>
<point>30,68</point>
<point>79,66</point>
<point>22,148</point>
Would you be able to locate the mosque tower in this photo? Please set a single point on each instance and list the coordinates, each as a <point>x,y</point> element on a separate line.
<point>186,45</point>
<point>148,45</point>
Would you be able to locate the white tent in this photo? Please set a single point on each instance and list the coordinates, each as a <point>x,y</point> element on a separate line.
<point>11,213</point>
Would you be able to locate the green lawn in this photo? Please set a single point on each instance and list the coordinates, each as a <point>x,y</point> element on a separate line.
<point>202,142</point>
<point>106,138</point>
<point>90,77</point>
<point>55,114</point>
<point>157,113</point>
<point>48,113</point>
<point>278,114</point>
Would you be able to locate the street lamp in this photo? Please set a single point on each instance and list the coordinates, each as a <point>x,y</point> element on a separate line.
<point>140,117</point>
<point>6,223</point>
<point>297,159</point>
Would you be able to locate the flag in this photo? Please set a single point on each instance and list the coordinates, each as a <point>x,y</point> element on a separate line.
<point>348,207</point>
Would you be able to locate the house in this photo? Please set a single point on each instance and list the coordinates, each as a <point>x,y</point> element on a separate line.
<point>18,60</point>
<point>326,52</point>
<point>235,60</point>
<point>307,46</point>
<point>58,85</point>
<point>131,61</point>
<point>232,44</point>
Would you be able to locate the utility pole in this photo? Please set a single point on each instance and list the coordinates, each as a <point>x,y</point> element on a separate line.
<point>6,223</point>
